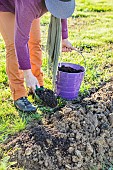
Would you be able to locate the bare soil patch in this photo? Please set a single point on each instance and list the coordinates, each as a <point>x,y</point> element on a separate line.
<point>79,136</point>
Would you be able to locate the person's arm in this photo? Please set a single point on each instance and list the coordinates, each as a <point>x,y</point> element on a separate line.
<point>66,45</point>
<point>64,28</point>
<point>22,28</point>
<point>24,18</point>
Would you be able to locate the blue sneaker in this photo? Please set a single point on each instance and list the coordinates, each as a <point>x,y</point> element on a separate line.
<point>24,105</point>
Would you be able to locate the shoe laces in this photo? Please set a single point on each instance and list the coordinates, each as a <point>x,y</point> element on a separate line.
<point>25,101</point>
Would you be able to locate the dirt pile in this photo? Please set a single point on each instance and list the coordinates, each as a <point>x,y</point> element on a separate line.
<point>80,136</point>
<point>47,96</point>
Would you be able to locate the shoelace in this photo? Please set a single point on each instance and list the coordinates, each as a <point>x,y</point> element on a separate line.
<point>25,101</point>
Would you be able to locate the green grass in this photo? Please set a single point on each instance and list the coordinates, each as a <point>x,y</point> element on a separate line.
<point>91,31</point>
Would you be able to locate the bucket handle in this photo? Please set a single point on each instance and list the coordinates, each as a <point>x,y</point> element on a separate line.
<point>82,56</point>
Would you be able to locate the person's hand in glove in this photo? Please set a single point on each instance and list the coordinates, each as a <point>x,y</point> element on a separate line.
<point>31,80</point>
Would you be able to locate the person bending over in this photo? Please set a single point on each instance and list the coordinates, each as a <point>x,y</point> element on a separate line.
<point>20,29</point>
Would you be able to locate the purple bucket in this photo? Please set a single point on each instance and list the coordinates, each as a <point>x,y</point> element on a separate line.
<point>68,84</point>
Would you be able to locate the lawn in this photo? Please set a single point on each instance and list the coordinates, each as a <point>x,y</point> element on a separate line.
<point>91,32</point>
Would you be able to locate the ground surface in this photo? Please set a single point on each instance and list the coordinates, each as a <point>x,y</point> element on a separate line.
<point>79,136</point>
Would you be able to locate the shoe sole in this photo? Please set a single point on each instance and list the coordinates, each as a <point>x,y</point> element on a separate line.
<point>25,111</point>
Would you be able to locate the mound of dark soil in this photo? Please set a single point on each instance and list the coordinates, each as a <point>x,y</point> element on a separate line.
<point>80,136</point>
<point>47,96</point>
<point>69,69</point>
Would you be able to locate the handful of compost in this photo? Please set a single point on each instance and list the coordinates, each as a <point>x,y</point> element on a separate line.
<point>47,96</point>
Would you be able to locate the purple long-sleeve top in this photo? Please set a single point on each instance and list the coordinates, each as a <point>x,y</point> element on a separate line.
<point>26,11</point>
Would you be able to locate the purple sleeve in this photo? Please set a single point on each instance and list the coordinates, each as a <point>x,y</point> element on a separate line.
<point>22,28</point>
<point>64,28</point>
